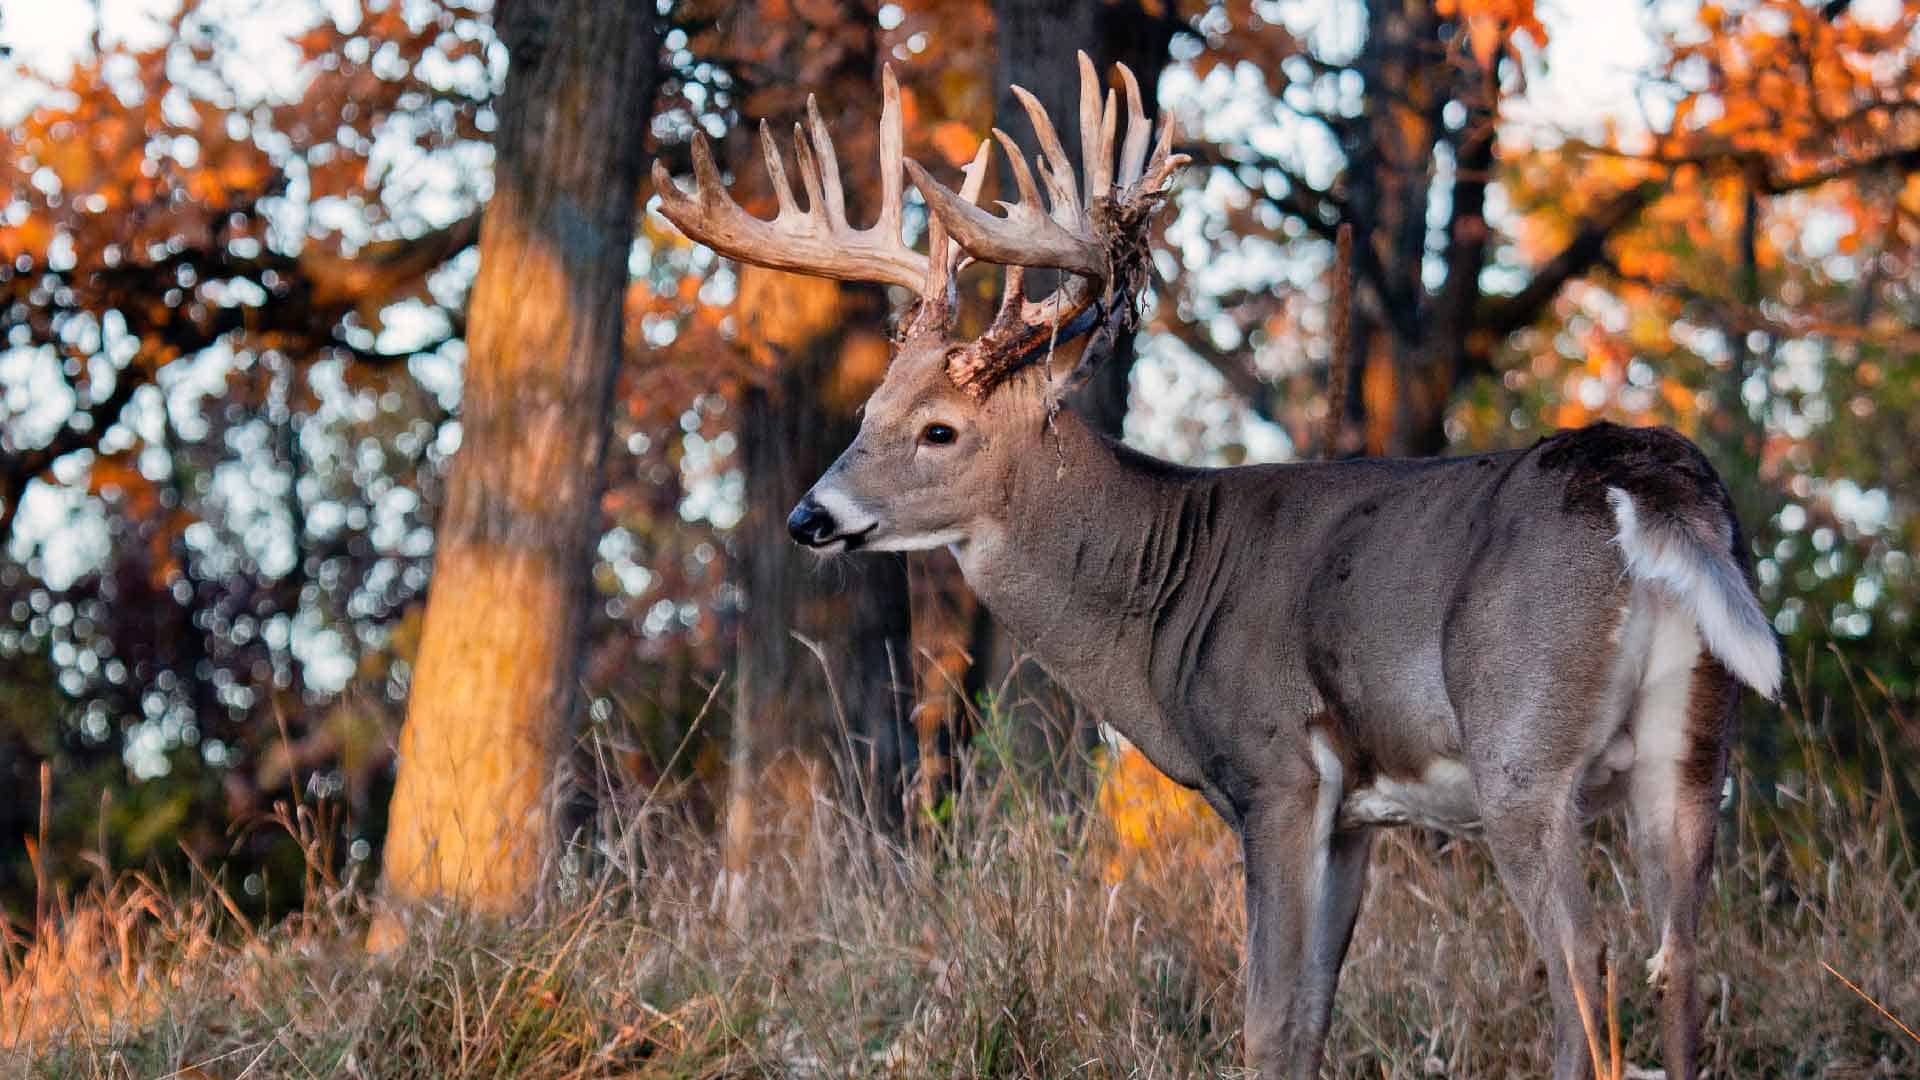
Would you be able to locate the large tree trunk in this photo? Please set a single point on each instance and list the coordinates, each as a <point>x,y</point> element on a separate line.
<point>495,688</point>
<point>1416,345</point>
<point>1037,40</point>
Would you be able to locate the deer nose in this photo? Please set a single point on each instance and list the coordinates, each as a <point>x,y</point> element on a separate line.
<point>810,524</point>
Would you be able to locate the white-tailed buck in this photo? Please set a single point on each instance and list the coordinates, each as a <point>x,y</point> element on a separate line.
<point>1509,643</point>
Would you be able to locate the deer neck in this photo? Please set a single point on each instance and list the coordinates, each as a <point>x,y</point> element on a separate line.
<point>1083,556</point>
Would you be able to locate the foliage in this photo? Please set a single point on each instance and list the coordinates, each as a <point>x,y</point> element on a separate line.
<point>234,291</point>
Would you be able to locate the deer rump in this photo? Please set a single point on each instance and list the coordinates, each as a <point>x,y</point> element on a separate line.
<point>1581,581</point>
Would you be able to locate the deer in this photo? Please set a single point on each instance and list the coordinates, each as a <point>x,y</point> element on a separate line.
<point>1505,644</point>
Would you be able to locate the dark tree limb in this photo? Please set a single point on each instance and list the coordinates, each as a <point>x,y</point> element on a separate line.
<point>20,468</point>
<point>1582,253</point>
<point>309,295</point>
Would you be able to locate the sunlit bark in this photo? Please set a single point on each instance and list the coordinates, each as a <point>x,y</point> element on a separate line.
<point>495,687</point>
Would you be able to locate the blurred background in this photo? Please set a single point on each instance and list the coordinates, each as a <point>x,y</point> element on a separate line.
<point>239,243</point>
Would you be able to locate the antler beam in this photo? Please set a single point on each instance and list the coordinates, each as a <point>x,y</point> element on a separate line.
<point>1097,234</point>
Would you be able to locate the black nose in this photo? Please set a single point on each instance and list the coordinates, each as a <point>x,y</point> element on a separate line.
<point>810,524</point>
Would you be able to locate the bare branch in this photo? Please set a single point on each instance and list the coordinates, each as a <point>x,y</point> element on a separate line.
<point>1581,254</point>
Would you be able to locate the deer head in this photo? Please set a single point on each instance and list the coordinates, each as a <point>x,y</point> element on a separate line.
<point>952,416</point>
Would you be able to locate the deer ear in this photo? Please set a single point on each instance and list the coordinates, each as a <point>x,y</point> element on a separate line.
<point>1070,366</point>
<point>1073,365</point>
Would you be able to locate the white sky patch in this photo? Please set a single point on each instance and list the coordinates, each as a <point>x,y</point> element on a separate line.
<point>1597,54</point>
<point>48,36</point>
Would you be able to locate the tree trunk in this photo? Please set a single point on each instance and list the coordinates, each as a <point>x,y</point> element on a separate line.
<point>1407,343</point>
<point>1037,40</point>
<point>855,611</point>
<point>825,650</point>
<point>494,694</point>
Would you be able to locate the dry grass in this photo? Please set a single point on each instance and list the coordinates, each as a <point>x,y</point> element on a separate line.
<point>1011,940</point>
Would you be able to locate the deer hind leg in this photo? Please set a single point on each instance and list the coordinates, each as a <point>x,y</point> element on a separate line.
<point>1531,746</point>
<point>1681,723</point>
<point>1535,834</point>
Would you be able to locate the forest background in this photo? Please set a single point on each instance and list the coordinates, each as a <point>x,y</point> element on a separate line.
<point>265,401</point>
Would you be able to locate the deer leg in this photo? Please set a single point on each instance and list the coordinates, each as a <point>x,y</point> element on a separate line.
<point>1674,814</point>
<point>1304,886</point>
<point>1329,931</point>
<point>1279,861</point>
<point>1536,839</point>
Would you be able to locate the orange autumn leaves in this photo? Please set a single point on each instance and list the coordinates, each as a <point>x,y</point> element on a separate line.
<point>1490,23</point>
<point>1155,824</point>
<point>1808,92</point>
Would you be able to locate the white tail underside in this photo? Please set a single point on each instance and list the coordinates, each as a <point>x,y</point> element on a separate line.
<point>1709,584</point>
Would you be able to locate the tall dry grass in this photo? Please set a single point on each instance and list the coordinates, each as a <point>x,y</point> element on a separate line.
<point>1014,936</point>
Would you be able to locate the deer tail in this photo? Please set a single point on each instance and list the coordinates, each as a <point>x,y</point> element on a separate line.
<point>1706,577</point>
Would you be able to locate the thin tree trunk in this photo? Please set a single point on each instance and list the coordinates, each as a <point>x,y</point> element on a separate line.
<point>496,685</point>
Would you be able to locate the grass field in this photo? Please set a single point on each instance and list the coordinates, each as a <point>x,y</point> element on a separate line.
<point>1021,936</point>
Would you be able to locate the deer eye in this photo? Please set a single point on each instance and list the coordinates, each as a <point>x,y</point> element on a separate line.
<point>938,434</point>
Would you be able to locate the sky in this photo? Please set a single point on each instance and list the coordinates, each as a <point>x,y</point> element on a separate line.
<point>1594,51</point>
<point>1585,76</point>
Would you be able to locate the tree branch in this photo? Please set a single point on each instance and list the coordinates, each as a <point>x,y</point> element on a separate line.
<point>309,296</point>
<point>18,469</point>
<point>1581,254</point>
<point>1906,159</point>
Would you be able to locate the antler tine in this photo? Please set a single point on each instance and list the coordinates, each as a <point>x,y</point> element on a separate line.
<point>810,177</point>
<point>973,178</point>
<point>777,173</point>
<point>828,163</point>
<point>941,257</point>
<point>1013,301</point>
<point>1096,133</point>
<point>892,150</point>
<point>1163,164</point>
<point>1133,155</point>
<point>1055,168</point>
<point>1022,176</point>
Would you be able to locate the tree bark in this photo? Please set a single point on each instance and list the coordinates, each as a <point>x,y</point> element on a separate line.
<point>1037,41</point>
<point>496,685</point>
<point>847,703</point>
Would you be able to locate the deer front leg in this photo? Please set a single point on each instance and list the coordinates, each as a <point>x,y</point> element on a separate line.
<point>1304,886</point>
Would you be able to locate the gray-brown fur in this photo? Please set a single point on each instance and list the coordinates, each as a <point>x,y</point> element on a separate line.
<point>1513,640</point>
<point>1421,615</point>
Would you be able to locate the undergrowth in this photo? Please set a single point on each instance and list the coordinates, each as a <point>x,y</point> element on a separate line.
<point>1014,935</point>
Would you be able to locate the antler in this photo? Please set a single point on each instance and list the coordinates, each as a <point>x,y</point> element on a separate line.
<point>1096,234</point>
<point>817,240</point>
